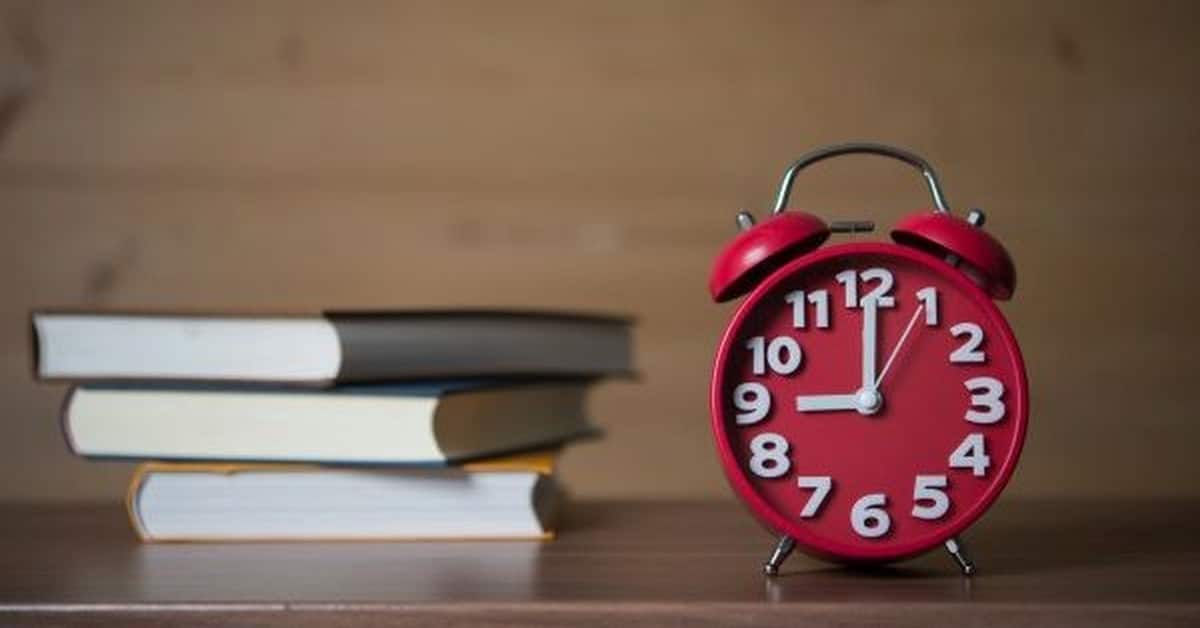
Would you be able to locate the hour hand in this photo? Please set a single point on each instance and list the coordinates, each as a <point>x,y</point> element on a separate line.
<point>825,403</point>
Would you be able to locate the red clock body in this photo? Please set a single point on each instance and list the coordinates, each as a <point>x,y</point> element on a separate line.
<point>869,401</point>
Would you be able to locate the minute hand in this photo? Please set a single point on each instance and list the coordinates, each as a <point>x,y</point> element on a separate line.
<point>870,322</point>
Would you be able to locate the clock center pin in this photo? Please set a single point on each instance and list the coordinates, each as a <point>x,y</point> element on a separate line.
<point>868,401</point>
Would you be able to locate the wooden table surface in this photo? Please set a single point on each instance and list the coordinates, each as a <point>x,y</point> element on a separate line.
<point>628,563</point>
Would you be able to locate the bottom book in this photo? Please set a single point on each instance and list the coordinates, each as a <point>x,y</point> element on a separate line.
<point>502,498</point>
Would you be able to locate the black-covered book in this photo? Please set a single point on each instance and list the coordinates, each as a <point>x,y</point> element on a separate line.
<point>328,349</point>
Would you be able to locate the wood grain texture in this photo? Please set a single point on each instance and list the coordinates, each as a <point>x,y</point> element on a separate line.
<point>591,155</point>
<point>631,563</point>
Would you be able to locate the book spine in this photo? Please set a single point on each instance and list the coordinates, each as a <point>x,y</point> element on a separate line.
<point>131,501</point>
<point>64,420</point>
<point>371,349</point>
<point>35,347</point>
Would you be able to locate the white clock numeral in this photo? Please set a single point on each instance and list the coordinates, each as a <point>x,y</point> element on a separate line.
<point>758,358</point>
<point>768,455</point>
<point>820,485</point>
<point>929,297</point>
<point>989,398</point>
<point>969,352</point>
<point>800,301</point>
<point>971,454</point>
<point>782,354</point>
<point>880,293</point>
<point>868,518</point>
<point>754,401</point>
<point>928,488</point>
<point>849,280</point>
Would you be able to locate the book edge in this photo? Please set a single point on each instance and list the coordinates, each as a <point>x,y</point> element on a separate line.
<point>540,461</point>
<point>132,495</point>
<point>64,420</point>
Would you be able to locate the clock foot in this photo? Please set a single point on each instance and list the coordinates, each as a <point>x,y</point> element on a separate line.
<point>959,552</point>
<point>782,550</point>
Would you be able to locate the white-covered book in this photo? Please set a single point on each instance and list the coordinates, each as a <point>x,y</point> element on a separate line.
<point>506,498</point>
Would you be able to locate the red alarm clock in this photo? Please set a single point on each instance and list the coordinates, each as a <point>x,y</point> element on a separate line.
<point>869,401</point>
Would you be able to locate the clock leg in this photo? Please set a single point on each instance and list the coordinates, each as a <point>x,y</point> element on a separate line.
<point>782,550</point>
<point>959,552</point>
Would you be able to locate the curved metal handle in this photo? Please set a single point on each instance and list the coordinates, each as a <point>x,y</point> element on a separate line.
<point>935,189</point>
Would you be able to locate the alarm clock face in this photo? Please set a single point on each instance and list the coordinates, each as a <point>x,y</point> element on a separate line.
<point>869,401</point>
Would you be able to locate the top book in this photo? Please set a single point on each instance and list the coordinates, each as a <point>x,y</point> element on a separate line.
<point>327,349</point>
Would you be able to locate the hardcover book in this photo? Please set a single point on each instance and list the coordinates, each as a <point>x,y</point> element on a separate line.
<point>410,424</point>
<point>328,349</point>
<point>507,498</point>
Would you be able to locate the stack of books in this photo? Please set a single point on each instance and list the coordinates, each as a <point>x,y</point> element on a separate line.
<point>401,425</point>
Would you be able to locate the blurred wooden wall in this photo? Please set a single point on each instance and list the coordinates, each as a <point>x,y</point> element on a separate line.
<point>285,155</point>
